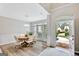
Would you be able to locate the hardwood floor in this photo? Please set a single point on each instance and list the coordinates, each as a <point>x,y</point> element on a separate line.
<point>10,49</point>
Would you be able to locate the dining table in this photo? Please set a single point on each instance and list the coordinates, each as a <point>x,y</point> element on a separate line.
<point>25,41</point>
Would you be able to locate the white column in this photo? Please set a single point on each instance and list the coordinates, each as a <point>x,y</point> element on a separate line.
<point>51,41</point>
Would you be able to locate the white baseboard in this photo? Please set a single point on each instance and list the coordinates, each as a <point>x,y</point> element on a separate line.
<point>7,43</point>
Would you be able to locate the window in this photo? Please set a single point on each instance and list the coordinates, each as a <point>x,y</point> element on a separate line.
<point>41,30</point>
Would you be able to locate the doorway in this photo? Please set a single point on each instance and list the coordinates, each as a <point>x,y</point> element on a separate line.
<point>65,33</point>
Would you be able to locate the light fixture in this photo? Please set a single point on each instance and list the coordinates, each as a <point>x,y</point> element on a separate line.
<point>26,25</point>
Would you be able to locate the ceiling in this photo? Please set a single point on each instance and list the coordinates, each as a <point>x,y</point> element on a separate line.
<point>28,12</point>
<point>51,6</point>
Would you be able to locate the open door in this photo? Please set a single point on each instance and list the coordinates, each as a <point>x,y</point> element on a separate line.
<point>65,33</point>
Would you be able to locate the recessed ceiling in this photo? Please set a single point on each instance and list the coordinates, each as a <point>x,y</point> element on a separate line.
<point>28,12</point>
<point>51,6</point>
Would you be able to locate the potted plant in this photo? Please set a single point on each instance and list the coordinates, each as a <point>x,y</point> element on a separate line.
<point>30,33</point>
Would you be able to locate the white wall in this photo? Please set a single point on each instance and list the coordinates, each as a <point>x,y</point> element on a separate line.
<point>10,27</point>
